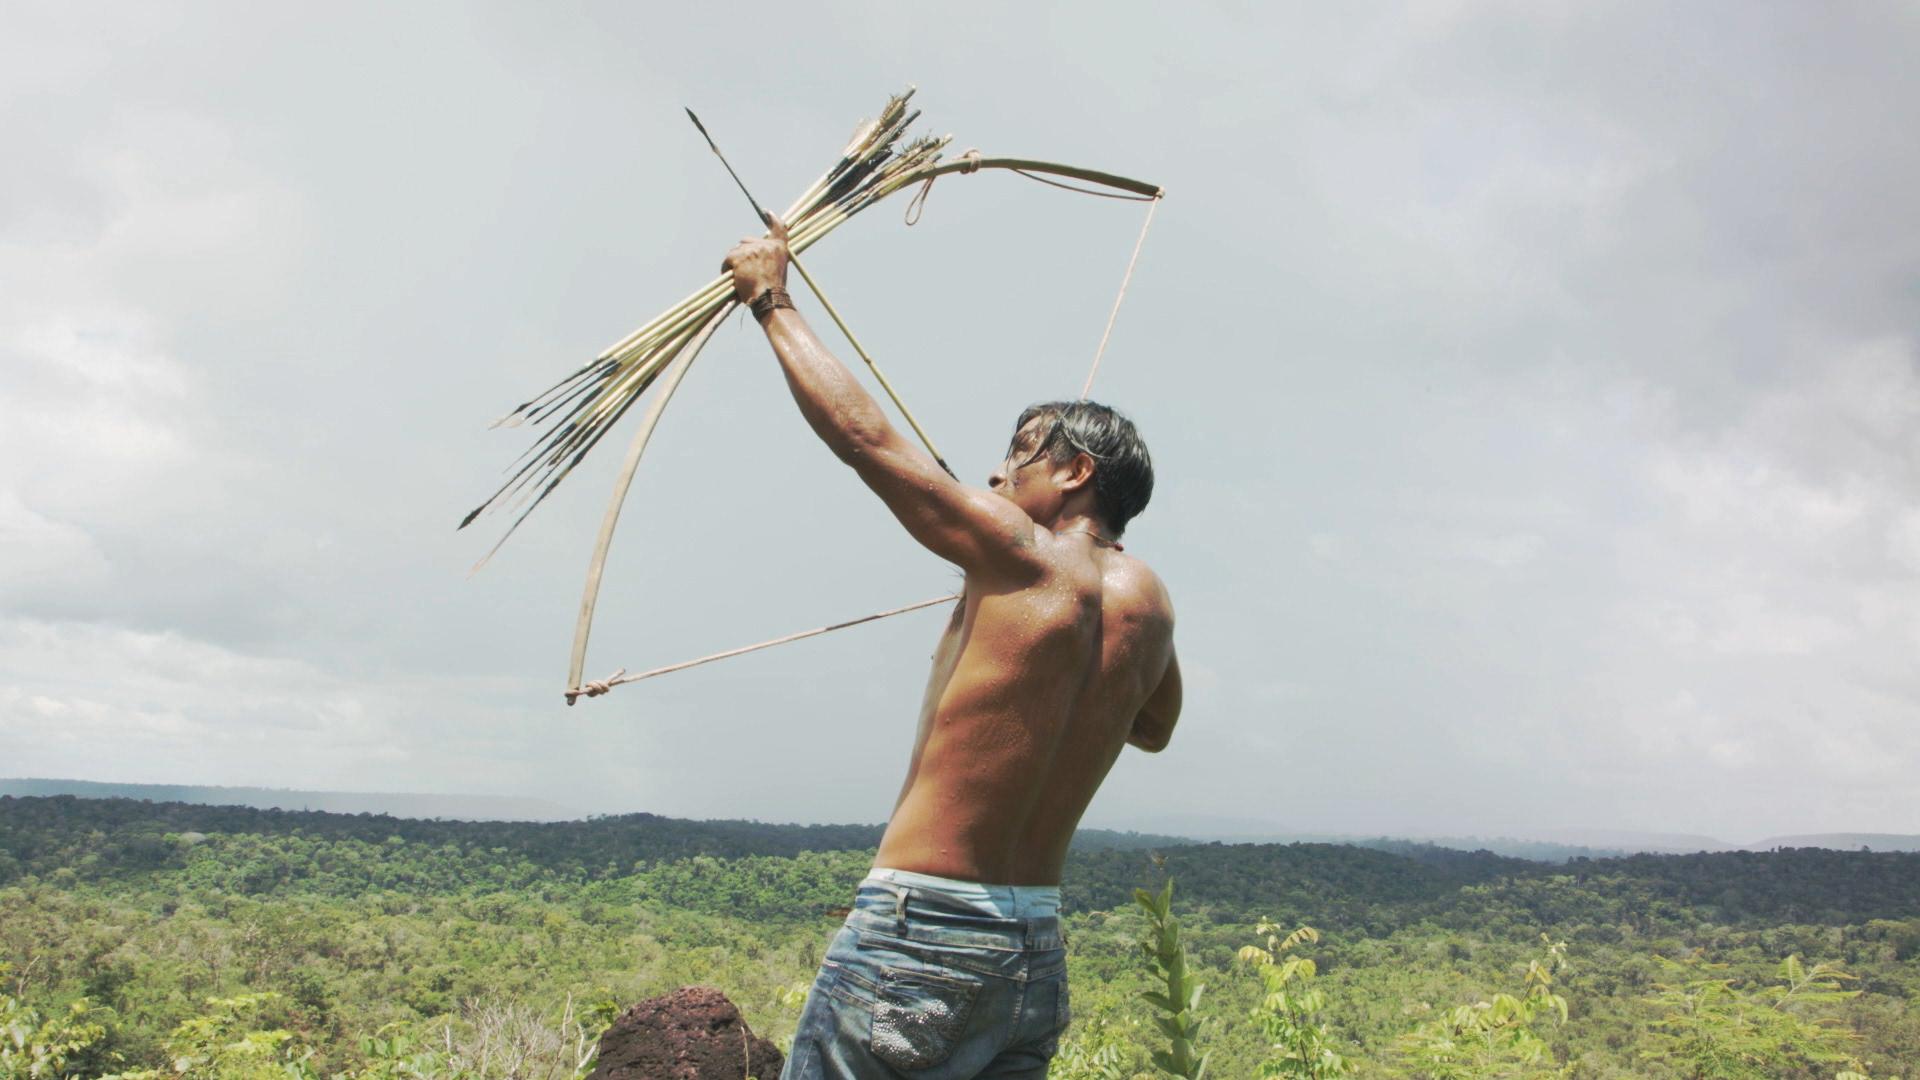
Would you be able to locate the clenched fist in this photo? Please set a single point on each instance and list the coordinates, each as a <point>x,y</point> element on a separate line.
<point>759,263</point>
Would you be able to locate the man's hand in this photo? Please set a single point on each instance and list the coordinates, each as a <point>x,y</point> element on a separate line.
<point>759,263</point>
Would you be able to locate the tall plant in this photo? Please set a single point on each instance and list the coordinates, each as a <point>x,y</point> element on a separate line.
<point>1179,1003</point>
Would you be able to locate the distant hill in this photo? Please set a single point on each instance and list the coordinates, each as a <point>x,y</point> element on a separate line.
<point>1540,845</point>
<point>801,870</point>
<point>42,832</point>
<point>1631,840</point>
<point>1842,841</point>
<point>1546,845</point>
<point>474,808</point>
<point>398,804</point>
<point>1546,851</point>
<point>1562,845</point>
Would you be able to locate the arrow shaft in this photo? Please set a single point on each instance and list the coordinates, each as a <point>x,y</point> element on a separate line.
<point>832,312</point>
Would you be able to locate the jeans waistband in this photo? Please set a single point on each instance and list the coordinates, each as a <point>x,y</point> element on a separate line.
<point>997,901</point>
<point>948,917</point>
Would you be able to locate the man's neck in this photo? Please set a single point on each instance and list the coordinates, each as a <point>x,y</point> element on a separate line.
<point>1082,524</point>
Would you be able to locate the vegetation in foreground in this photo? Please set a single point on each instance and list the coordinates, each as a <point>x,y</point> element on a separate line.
<point>157,940</point>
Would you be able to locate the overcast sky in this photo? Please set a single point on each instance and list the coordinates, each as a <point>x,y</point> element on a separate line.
<point>1534,391</point>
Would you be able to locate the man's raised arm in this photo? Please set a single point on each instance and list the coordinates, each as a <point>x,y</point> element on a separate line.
<point>967,526</point>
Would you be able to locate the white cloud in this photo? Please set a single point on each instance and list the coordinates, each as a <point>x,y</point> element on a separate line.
<point>1903,539</point>
<point>1505,551</point>
<point>85,699</point>
<point>93,409</point>
<point>1528,421</point>
<point>44,555</point>
<point>1768,616</point>
<point>101,410</point>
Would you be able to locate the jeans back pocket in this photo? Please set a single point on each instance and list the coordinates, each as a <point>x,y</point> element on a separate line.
<point>919,1017</point>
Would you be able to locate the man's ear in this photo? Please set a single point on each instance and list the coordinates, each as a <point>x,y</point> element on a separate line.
<point>1077,473</point>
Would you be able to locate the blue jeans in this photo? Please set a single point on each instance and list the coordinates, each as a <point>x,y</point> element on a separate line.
<point>937,979</point>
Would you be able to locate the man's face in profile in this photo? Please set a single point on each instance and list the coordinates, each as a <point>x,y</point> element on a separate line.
<point>1019,475</point>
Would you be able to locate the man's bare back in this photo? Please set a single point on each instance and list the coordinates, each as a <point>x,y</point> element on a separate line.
<point>1060,651</point>
<point>1033,694</point>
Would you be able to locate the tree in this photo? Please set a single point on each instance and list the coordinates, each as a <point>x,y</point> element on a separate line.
<point>1289,1015</point>
<point>1097,1052</point>
<point>1714,1029</point>
<point>229,1043</point>
<point>38,1047</point>
<point>1494,1038</point>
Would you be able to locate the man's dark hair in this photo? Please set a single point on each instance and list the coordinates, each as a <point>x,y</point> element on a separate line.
<point>1122,468</point>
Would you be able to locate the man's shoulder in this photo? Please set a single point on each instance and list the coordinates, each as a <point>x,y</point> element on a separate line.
<point>1128,581</point>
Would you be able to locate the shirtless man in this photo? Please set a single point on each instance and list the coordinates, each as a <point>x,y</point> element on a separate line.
<point>1059,654</point>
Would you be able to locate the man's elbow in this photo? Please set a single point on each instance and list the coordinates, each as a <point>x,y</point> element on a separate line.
<point>1152,744</point>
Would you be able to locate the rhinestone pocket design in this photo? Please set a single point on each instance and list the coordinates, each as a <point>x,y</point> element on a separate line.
<point>917,1021</point>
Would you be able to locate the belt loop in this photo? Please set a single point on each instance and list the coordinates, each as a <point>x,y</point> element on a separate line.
<point>900,907</point>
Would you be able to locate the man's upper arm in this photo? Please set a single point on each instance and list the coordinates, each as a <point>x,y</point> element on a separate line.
<point>967,526</point>
<point>1153,727</point>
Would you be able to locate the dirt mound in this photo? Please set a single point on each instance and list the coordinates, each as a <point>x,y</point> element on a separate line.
<point>694,1033</point>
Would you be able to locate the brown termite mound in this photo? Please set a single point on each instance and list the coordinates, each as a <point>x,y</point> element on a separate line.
<point>694,1033</point>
